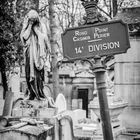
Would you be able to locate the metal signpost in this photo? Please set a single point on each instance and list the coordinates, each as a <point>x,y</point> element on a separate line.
<point>100,39</point>
<point>97,40</point>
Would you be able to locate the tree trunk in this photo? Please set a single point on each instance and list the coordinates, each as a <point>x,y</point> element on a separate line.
<point>7,110</point>
<point>53,41</point>
<point>3,76</point>
<point>4,82</point>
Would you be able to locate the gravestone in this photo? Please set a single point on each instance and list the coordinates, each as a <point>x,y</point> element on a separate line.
<point>1,87</point>
<point>1,95</point>
<point>14,84</point>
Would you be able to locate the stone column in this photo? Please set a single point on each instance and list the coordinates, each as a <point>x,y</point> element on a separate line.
<point>127,83</point>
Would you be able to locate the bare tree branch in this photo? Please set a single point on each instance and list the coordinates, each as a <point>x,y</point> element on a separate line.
<point>43,8</point>
<point>104,12</point>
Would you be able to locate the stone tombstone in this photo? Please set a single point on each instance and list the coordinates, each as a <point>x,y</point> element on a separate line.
<point>1,95</point>
<point>14,82</point>
<point>1,87</point>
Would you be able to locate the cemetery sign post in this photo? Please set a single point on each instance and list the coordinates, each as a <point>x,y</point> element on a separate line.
<point>93,41</point>
<point>101,39</point>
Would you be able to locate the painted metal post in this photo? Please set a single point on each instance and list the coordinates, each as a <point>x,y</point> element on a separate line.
<point>99,71</point>
<point>94,17</point>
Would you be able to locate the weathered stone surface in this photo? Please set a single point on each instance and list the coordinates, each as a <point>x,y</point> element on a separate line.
<point>28,132</point>
<point>7,110</point>
<point>1,106</point>
<point>76,115</point>
<point>47,112</point>
<point>127,83</point>
<point>129,15</point>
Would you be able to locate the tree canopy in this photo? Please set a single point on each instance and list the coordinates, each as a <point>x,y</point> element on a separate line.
<point>7,24</point>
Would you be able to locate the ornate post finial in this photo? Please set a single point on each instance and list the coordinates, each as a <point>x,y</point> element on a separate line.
<point>92,14</point>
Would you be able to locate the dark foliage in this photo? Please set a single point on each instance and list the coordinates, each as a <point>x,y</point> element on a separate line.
<point>10,49</point>
<point>9,46</point>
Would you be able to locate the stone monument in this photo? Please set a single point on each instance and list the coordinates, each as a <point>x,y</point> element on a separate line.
<point>37,50</point>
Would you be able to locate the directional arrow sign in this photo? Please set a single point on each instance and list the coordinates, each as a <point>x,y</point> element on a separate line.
<point>100,39</point>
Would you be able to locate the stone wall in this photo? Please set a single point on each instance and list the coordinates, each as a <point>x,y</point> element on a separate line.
<point>127,83</point>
